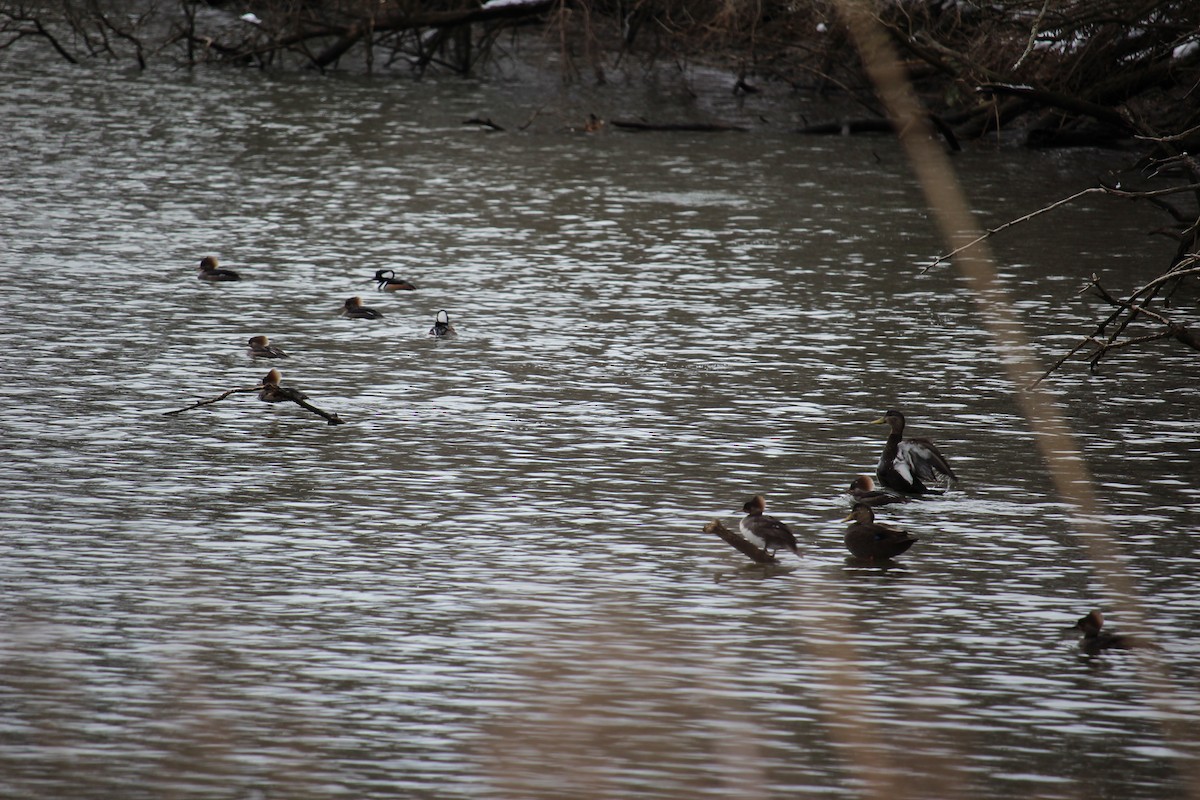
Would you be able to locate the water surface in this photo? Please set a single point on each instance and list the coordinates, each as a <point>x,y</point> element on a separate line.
<point>491,581</point>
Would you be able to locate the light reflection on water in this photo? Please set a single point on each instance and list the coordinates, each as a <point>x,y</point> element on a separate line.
<point>492,581</point>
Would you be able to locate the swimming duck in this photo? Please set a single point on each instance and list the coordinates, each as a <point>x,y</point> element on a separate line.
<point>354,308</point>
<point>210,271</point>
<point>863,490</point>
<point>386,281</point>
<point>773,533</point>
<point>1094,640</point>
<point>261,347</point>
<point>905,463</point>
<point>441,326</point>
<point>871,541</point>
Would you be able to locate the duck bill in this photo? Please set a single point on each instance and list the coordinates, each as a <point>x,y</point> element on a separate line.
<point>879,421</point>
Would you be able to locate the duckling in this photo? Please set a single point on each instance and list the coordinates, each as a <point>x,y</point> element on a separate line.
<point>1094,640</point>
<point>261,347</point>
<point>441,326</point>
<point>773,533</point>
<point>353,307</point>
<point>905,463</point>
<point>871,541</point>
<point>210,271</point>
<point>863,490</point>
<point>386,281</point>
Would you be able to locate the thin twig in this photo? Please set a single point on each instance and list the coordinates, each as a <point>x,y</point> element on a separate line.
<point>216,399</point>
<point>993,231</point>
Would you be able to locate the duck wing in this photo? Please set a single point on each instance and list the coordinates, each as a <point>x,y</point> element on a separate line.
<point>922,458</point>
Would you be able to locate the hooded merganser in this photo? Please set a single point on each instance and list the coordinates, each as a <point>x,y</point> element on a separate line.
<point>441,326</point>
<point>773,533</point>
<point>871,541</point>
<point>261,347</point>
<point>210,271</point>
<point>272,392</point>
<point>353,307</point>
<point>863,490</point>
<point>1094,640</point>
<point>905,463</point>
<point>386,281</point>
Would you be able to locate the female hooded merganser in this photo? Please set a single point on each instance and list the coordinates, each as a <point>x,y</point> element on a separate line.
<point>272,392</point>
<point>1094,640</point>
<point>906,462</point>
<point>386,281</point>
<point>261,347</point>
<point>441,326</point>
<point>210,271</point>
<point>863,490</point>
<point>870,541</point>
<point>353,307</point>
<point>773,533</point>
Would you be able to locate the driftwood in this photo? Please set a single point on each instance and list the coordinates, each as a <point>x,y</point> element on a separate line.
<point>746,548</point>
<point>685,127</point>
<point>269,391</point>
<point>877,125</point>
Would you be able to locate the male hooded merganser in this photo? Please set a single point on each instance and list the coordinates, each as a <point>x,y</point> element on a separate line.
<point>1094,640</point>
<point>386,281</point>
<point>261,347</point>
<point>353,307</point>
<point>210,271</point>
<point>773,533</point>
<point>863,490</point>
<point>441,326</point>
<point>871,541</point>
<point>905,463</point>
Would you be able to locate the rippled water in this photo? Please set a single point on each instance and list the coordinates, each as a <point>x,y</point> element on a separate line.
<point>491,581</point>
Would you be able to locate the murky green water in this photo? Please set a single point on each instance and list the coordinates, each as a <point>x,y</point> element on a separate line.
<point>491,581</point>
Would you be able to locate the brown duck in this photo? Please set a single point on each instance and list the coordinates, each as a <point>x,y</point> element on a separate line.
<point>871,541</point>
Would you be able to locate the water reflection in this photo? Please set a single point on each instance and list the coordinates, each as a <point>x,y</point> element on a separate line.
<point>491,581</point>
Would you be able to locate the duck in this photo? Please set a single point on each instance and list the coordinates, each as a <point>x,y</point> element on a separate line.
<point>354,308</point>
<point>1093,640</point>
<point>862,490</point>
<point>272,392</point>
<point>441,326</point>
<point>386,281</point>
<point>261,347</point>
<point>869,540</point>
<point>773,533</point>
<point>906,463</point>
<point>210,270</point>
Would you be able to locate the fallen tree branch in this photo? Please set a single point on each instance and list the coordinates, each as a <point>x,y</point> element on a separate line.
<point>216,399</point>
<point>746,548</point>
<point>1075,105</point>
<point>687,127</point>
<point>269,391</point>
